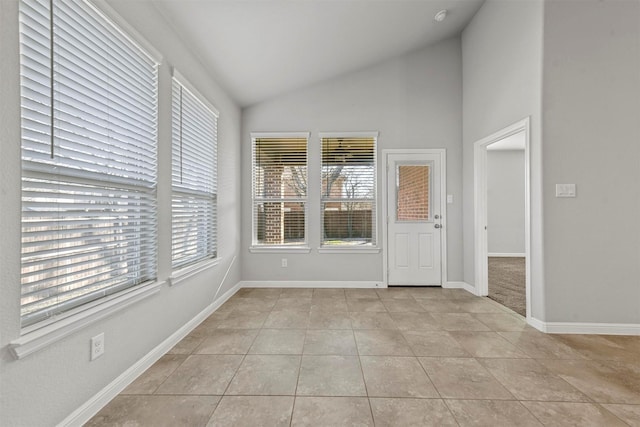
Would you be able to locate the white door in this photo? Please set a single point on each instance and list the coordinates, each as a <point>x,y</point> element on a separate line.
<point>414,219</point>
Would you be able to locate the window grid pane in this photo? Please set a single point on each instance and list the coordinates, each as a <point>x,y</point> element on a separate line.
<point>412,192</point>
<point>193,178</point>
<point>279,191</point>
<point>89,211</point>
<point>348,191</point>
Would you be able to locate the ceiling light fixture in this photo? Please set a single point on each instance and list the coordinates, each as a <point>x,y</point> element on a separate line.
<point>440,16</point>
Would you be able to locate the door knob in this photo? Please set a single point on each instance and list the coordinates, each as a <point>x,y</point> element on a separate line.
<point>436,226</point>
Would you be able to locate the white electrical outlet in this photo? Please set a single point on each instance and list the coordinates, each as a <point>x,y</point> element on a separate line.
<point>97,346</point>
<point>284,263</point>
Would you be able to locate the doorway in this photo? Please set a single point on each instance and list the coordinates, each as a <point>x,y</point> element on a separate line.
<point>502,232</point>
<point>414,210</point>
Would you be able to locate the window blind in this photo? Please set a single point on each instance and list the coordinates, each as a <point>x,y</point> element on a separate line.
<point>89,113</point>
<point>348,191</point>
<point>194,178</point>
<point>279,190</point>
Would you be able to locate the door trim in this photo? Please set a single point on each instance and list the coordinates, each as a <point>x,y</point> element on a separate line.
<point>480,207</point>
<point>443,208</point>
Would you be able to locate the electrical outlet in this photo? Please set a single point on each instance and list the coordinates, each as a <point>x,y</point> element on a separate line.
<point>97,346</point>
<point>284,263</point>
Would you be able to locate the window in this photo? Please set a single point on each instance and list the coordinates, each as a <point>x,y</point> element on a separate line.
<point>279,189</point>
<point>193,177</point>
<point>89,115</point>
<point>348,190</point>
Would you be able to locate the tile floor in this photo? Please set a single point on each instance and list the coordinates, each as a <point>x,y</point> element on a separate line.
<point>392,357</point>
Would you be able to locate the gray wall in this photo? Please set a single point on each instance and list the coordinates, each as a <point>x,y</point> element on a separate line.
<point>502,84</point>
<point>592,138</point>
<point>45,387</point>
<point>505,202</point>
<point>414,101</point>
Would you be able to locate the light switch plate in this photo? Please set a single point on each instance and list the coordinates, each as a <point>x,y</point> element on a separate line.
<point>565,190</point>
<point>449,199</point>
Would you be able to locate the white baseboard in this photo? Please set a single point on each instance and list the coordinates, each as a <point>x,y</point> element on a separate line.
<point>585,328</point>
<point>506,255</point>
<point>309,284</point>
<point>460,285</point>
<point>84,413</point>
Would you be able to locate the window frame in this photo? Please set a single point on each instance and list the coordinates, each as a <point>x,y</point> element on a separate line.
<point>182,271</point>
<point>44,332</point>
<point>374,247</point>
<point>255,247</point>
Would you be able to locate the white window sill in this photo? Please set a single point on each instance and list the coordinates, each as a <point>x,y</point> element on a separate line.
<point>279,249</point>
<point>37,339</point>
<point>348,250</point>
<point>191,270</point>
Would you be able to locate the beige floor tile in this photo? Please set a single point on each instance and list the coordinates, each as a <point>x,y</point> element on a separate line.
<point>361,293</point>
<point>254,411</point>
<point>434,344</point>
<point>396,377</point>
<point>330,342</point>
<point>627,413</point>
<point>328,293</point>
<point>205,329</point>
<point>403,306</point>
<point>414,321</point>
<point>394,293</point>
<point>601,347</point>
<point>331,412</point>
<point>459,322</point>
<point>253,304</point>
<point>458,294</point>
<point>187,345</point>
<point>503,322</point>
<point>266,375</point>
<point>299,304</point>
<point>526,379</point>
<point>463,378</point>
<point>382,342</point>
<point>487,344</point>
<point>151,379</point>
<point>431,305</point>
<point>244,320</point>
<point>605,382</point>
<point>201,374</point>
<point>479,305</point>
<point>431,292</point>
<point>332,305</point>
<point>366,305</point>
<point>572,414</point>
<point>278,341</point>
<point>411,412</point>
<point>228,341</point>
<point>540,345</point>
<point>491,413</point>
<point>290,319</point>
<point>264,293</point>
<point>372,321</point>
<point>331,376</point>
<point>157,411</point>
<point>327,320</point>
<point>296,293</point>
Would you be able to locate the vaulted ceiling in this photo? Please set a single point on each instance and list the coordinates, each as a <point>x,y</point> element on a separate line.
<point>258,49</point>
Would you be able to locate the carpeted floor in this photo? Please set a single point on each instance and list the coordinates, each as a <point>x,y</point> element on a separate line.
<point>507,282</point>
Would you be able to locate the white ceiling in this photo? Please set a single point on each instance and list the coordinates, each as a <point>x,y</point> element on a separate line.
<point>258,49</point>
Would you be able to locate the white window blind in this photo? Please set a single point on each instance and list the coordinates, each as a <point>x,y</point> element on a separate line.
<point>89,107</point>
<point>194,180</point>
<point>348,191</point>
<point>279,190</point>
